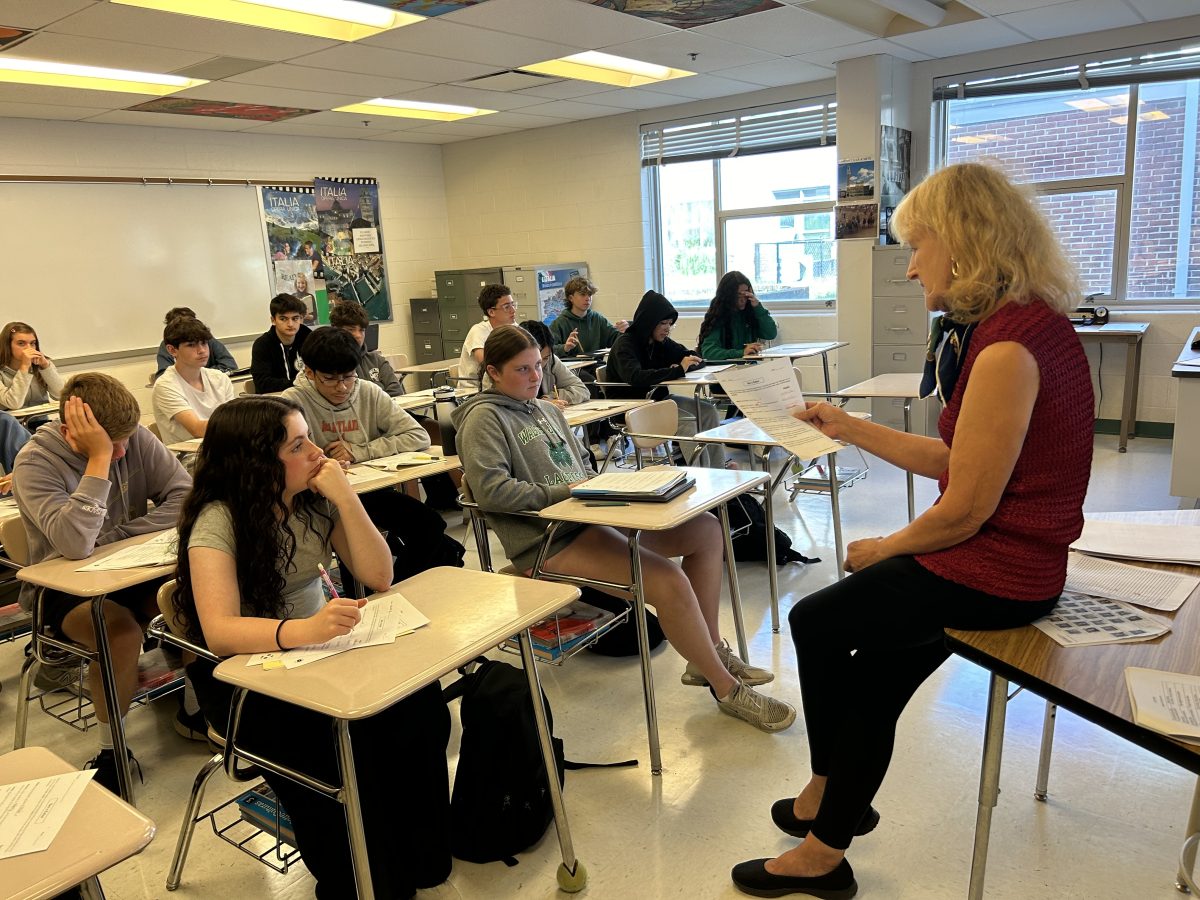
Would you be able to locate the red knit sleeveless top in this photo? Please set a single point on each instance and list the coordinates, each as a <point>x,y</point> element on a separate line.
<point>1021,551</point>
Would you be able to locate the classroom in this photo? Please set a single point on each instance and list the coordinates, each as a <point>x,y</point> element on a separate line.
<point>774,138</point>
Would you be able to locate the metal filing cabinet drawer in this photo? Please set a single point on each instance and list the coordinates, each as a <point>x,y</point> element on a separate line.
<point>457,321</point>
<point>451,286</point>
<point>452,349</point>
<point>425,316</point>
<point>899,320</point>
<point>428,347</point>
<point>898,358</point>
<point>889,266</point>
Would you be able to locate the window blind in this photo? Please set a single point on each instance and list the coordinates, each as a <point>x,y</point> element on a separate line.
<point>1136,66</point>
<point>813,124</point>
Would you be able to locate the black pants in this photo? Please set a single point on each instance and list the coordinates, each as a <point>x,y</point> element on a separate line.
<point>400,761</point>
<point>892,614</point>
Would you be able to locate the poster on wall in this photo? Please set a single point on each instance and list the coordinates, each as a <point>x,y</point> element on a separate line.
<point>551,280</point>
<point>294,242</point>
<point>857,220</point>
<point>348,217</point>
<point>856,180</point>
<point>895,167</point>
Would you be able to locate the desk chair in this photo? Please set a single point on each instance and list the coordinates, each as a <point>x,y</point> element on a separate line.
<point>397,361</point>
<point>153,429</point>
<point>248,386</point>
<point>651,427</point>
<point>170,628</point>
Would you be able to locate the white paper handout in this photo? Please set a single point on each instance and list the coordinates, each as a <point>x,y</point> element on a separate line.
<point>593,406</point>
<point>1167,702</point>
<point>1138,540</point>
<point>160,550</point>
<point>1151,588</point>
<point>703,373</point>
<point>1079,620</point>
<point>361,474</point>
<point>33,812</point>
<point>384,619</point>
<point>408,458</point>
<point>766,394</point>
<point>654,480</point>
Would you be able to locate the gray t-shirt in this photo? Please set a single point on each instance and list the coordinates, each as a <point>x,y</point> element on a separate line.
<point>302,593</point>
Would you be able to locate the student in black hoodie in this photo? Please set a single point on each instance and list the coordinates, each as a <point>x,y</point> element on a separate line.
<point>274,358</point>
<point>645,356</point>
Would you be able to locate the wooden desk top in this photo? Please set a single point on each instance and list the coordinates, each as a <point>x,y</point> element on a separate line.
<point>425,398</point>
<point>1131,331</point>
<point>799,349</point>
<point>439,366</point>
<point>576,416</point>
<point>41,409</point>
<point>1187,353</point>
<point>61,575</point>
<point>101,831</point>
<point>574,364</point>
<point>383,478</point>
<point>470,613</point>
<point>1090,681</point>
<point>191,445</point>
<point>897,384</point>
<point>713,487</point>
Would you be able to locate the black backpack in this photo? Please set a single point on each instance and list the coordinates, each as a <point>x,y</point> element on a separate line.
<point>748,523</point>
<point>621,640</point>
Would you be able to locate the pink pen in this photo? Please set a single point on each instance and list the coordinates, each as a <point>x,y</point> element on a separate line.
<point>328,582</point>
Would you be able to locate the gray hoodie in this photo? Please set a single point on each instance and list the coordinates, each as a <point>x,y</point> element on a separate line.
<point>67,513</point>
<point>518,456</point>
<point>367,421</point>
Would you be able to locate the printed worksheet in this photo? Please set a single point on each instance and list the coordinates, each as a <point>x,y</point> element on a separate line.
<point>408,458</point>
<point>33,812</point>
<point>766,394</point>
<point>1151,588</point>
<point>160,550</point>
<point>1079,620</point>
<point>1140,540</point>
<point>1167,702</point>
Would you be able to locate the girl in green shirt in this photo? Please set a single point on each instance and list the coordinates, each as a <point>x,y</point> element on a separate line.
<point>736,323</point>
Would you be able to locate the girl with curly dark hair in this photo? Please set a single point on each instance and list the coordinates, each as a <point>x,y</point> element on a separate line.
<point>265,510</point>
<point>736,322</point>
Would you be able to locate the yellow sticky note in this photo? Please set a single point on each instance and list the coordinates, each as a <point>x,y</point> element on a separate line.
<point>273,664</point>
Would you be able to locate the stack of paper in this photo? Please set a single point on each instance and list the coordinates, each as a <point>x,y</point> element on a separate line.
<point>409,458</point>
<point>1079,620</point>
<point>767,394</point>
<point>659,483</point>
<point>160,550</point>
<point>1151,588</point>
<point>594,405</point>
<point>32,813</point>
<point>1130,540</point>
<point>1166,702</point>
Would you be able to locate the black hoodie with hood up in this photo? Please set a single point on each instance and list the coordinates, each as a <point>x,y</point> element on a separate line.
<point>639,360</point>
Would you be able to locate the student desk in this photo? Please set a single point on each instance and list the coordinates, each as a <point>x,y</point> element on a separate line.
<point>60,575</point>
<point>1088,681</point>
<point>433,369</point>
<point>575,365</point>
<point>577,416</point>
<point>469,613</point>
<point>1185,449</point>
<point>713,487</point>
<point>100,832</point>
<point>378,479</point>
<point>191,445</point>
<point>425,398</point>
<point>1130,334</point>
<point>804,350</point>
<point>28,412</point>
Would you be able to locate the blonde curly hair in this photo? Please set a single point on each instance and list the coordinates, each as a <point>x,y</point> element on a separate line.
<point>999,239</point>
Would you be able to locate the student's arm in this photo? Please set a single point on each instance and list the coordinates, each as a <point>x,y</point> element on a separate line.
<point>167,484</point>
<point>560,328</point>
<point>484,450</point>
<point>193,423</point>
<point>633,373</point>
<point>223,358</point>
<point>605,330</point>
<point>170,405</point>
<point>399,432</point>
<point>767,329</point>
<point>54,381</point>
<point>388,379</point>
<point>13,394</point>
<point>356,540</point>
<point>570,388</point>
<point>710,348</point>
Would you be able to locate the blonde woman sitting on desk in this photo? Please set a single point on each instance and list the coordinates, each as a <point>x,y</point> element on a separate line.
<point>520,456</point>
<point>1012,464</point>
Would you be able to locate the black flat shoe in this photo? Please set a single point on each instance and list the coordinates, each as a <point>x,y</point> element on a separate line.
<point>753,878</point>
<point>783,816</point>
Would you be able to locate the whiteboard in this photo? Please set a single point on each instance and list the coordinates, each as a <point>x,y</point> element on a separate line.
<point>96,266</point>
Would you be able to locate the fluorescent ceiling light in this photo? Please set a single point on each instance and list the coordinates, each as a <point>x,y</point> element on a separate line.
<point>607,69</point>
<point>342,20</point>
<point>92,78</point>
<point>414,109</point>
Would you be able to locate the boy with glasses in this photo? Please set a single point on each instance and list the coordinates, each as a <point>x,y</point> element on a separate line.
<point>499,308</point>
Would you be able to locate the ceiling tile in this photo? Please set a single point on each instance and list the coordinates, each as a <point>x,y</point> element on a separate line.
<point>38,13</point>
<point>393,64</point>
<point>965,37</point>
<point>167,120</point>
<point>572,109</point>
<point>355,120</point>
<point>269,96</point>
<point>467,96</point>
<point>56,96</point>
<point>86,51</point>
<point>701,87</point>
<point>1064,19</point>
<point>1154,10</point>
<point>674,49</point>
<point>521,119</point>
<point>554,20</point>
<point>416,137</point>
<point>463,129</point>
<point>566,90</point>
<point>787,31</point>
<point>779,72</point>
<point>304,78</point>
<point>638,98</point>
<point>43,111</point>
<point>866,48</point>
<point>1000,7</point>
<point>160,29</point>
<point>301,128</point>
<point>450,40</point>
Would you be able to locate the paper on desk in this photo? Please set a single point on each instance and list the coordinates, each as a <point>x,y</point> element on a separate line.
<point>1151,588</point>
<point>33,812</point>
<point>1167,702</point>
<point>400,460</point>
<point>1194,361</point>
<point>383,620</point>
<point>160,550</point>
<point>594,405</point>
<point>192,445</point>
<point>766,394</point>
<point>8,504</point>
<point>1130,540</point>
<point>652,480</point>
<point>361,474</point>
<point>1079,620</point>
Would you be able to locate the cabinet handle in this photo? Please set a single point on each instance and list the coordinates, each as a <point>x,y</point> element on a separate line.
<point>897,281</point>
<point>898,329</point>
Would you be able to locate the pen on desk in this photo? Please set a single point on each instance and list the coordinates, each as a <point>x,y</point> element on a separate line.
<point>328,582</point>
<point>606,503</point>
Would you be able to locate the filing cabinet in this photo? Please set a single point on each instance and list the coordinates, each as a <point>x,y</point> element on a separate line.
<point>457,306</point>
<point>899,331</point>
<point>425,316</point>
<point>428,348</point>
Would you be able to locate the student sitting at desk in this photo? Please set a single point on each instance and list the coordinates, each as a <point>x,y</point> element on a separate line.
<point>372,364</point>
<point>736,323</point>
<point>499,308</point>
<point>13,436</point>
<point>645,355</point>
<point>520,456</point>
<point>560,385</point>
<point>273,357</point>
<point>266,509</point>
<point>579,328</point>
<point>188,392</point>
<point>219,357</point>
<point>27,376</point>
<point>84,482</point>
<point>1012,464</point>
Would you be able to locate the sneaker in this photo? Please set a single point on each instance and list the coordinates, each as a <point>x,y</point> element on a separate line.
<point>742,671</point>
<point>49,679</point>
<point>191,727</point>
<point>763,712</point>
<point>105,764</point>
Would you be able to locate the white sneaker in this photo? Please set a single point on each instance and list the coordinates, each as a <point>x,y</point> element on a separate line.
<point>763,712</point>
<point>742,671</point>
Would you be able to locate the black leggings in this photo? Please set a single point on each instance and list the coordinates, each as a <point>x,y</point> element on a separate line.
<point>893,614</point>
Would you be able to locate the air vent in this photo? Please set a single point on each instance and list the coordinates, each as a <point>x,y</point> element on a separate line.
<point>221,67</point>
<point>510,80</point>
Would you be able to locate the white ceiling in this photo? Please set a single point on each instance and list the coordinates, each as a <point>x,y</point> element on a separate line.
<point>436,60</point>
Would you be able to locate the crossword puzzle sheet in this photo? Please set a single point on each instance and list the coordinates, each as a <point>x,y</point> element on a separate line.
<point>1079,620</point>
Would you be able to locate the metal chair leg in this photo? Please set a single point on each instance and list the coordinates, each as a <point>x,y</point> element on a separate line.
<point>191,816</point>
<point>1043,772</point>
<point>28,671</point>
<point>91,890</point>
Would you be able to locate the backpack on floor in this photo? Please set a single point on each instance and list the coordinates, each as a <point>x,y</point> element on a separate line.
<point>748,523</point>
<point>620,640</point>
<point>421,533</point>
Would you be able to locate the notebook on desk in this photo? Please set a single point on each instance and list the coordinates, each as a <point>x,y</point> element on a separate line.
<point>645,486</point>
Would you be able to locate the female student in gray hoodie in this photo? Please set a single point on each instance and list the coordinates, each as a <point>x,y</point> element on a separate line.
<point>520,456</point>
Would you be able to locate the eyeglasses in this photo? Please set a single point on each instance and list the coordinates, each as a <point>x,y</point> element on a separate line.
<point>331,380</point>
<point>507,307</point>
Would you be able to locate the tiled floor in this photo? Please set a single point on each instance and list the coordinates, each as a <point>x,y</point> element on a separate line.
<point>1111,828</point>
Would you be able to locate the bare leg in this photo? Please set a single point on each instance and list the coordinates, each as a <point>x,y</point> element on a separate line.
<point>812,857</point>
<point>809,801</point>
<point>125,646</point>
<point>699,542</point>
<point>603,553</point>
